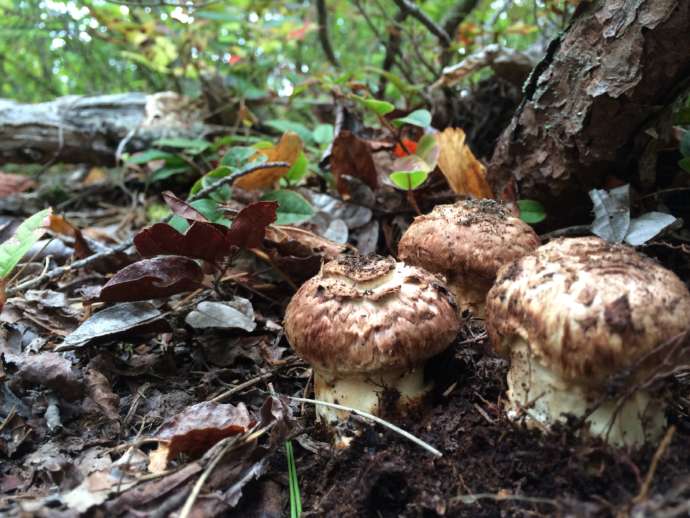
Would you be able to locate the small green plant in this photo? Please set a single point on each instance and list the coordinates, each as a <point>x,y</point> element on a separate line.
<point>531,211</point>
<point>295,498</point>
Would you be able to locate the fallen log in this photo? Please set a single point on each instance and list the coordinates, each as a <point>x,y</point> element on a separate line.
<point>96,130</point>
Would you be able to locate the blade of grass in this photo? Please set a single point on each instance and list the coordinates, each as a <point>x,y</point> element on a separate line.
<point>295,498</point>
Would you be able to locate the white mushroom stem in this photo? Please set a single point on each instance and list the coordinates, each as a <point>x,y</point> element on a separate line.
<point>545,396</point>
<point>363,391</point>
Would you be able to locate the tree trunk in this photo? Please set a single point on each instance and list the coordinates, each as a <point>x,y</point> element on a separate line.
<point>590,107</point>
<point>95,130</point>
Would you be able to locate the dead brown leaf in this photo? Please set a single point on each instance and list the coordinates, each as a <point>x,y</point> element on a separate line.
<point>196,429</point>
<point>351,156</point>
<point>465,174</point>
<point>287,150</point>
<point>14,183</point>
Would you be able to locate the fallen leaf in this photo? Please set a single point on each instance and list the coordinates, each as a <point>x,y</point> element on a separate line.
<point>122,318</point>
<point>233,314</point>
<point>287,150</point>
<point>50,370</point>
<point>198,427</point>
<point>351,156</point>
<point>182,208</point>
<point>299,252</point>
<point>612,213</point>
<point>154,278</point>
<point>465,174</point>
<point>100,391</point>
<point>14,183</point>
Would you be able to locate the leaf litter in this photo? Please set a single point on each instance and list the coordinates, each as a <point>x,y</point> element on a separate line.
<point>163,394</point>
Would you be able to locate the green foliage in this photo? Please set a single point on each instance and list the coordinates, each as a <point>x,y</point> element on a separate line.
<point>531,211</point>
<point>380,108</point>
<point>292,207</point>
<point>260,50</point>
<point>409,180</point>
<point>421,118</point>
<point>298,170</point>
<point>27,233</point>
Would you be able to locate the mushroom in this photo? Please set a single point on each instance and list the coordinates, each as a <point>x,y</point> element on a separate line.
<point>575,314</point>
<point>367,325</point>
<point>467,242</point>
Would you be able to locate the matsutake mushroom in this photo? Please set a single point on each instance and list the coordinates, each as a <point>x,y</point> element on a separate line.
<point>367,325</point>
<point>576,314</point>
<point>467,242</point>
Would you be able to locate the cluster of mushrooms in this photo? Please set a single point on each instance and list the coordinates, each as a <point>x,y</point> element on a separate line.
<point>571,316</point>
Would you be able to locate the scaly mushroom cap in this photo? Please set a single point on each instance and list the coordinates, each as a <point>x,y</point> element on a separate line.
<point>586,308</point>
<point>367,314</point>
<point>470,237</point>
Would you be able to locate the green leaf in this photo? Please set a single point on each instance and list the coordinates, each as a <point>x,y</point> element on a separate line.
<point>323,133</point>
<point>282,125</point>
<point>421,118</point>
<point>208,208</point>
<point>685,164</point>
<point>408,180</point>
<point>292,207</point>
<point>685,144</point>
<point>299,169</point>
<point>237,156</point>
<point>190,145</point>
<point>428,150</point>
<point>179,223</point>
<point>531,211</point>
<point>166,172</point>
<point>380,108</point>
<point>30,231</point>
<point>149,155</point>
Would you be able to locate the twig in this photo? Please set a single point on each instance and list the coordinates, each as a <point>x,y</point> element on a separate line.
<point>61,270</point>
<point>378,420</point>
<point>232,442</point>
<point>238,388</point>
<point>647,484</point>
<point>322,16</point>
<point>434,28</point>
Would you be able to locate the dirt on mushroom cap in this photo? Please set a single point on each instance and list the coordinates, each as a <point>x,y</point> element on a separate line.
<point>365,314</point>
<point>587,308</point>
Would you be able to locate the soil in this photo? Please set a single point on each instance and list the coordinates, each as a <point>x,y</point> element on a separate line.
<point>509,468</point>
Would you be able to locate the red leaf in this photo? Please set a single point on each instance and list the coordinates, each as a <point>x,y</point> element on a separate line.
<point>351,156</point>
<point>153,278</point>
<point>249,227</point>
<point>182,208</point>
<point>202,240</point>
<point>200,426</point>
<point>410,148</point>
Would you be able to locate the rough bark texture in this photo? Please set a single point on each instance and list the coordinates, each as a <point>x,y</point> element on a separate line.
<point>94,129</point>
<point>589,105</point>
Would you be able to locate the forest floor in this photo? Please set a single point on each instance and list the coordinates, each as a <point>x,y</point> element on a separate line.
<point>126,420</point>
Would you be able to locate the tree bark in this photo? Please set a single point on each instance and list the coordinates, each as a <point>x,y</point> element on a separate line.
<point>95,130</point>
<point>590,106</point>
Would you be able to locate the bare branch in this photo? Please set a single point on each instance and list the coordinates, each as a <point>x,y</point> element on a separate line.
<point>322,16</point>
<point>408,7</point>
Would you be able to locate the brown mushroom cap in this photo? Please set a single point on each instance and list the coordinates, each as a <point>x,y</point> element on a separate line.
<point>471,237</point>
<point>366,314</point>
<point>586,308</point>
